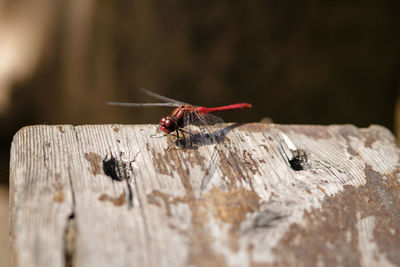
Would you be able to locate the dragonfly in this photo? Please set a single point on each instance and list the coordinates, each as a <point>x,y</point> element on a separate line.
<point>184,114</point>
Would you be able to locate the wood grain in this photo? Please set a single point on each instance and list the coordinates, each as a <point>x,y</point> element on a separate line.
<point>247,195</point>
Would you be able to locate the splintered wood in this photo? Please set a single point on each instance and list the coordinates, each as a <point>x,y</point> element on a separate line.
<point>247,195</point>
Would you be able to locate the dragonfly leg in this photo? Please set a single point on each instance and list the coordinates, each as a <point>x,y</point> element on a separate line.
<point>183,131</point>
<point>154,135</point>
<point>180,142</point>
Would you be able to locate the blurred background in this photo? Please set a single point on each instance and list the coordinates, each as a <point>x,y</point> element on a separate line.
<point>306,62</point>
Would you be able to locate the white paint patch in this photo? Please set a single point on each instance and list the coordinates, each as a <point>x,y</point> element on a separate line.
<point>380,149</point>
<point>370,255</point>
<point>221,244</point>
<point>288,142</point>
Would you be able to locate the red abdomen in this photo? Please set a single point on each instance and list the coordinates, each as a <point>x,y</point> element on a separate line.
<point>223,108</point>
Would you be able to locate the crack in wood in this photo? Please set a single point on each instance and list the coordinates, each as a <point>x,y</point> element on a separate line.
<point>69,241</point>
<point>69,238</point>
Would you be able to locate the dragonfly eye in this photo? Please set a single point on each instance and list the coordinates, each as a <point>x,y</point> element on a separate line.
<point>167,125</point>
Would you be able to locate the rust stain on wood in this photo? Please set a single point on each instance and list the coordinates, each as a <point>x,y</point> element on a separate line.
<point>232,207</point>
<point>160,163</point>
<point>169,161</point>
<point>61,129</point>
<point>158,198</point>
<point>227,207</point>
<point>236,170</point>
<point>332,229</point>
<point>59,194</point>
<point>385,206</point>
<point>250,163</point>
<point>95,162</point>
<point>322,190</point>
<point>201,252</point>
<point>117,201</point>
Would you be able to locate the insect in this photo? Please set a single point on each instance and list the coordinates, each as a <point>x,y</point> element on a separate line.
<point>183,114</point>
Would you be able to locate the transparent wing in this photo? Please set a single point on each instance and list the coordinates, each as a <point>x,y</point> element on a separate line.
<point>143,104</point>
<point>208,119</point>
<point>163,98</point>
<point>202,120</point>
<point>205,134</point>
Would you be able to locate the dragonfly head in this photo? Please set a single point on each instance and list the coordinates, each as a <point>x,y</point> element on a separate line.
<point>167,125</point>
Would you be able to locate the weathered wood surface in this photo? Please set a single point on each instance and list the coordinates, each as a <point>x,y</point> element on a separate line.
<point>258,195</point>
<point>4,232</point>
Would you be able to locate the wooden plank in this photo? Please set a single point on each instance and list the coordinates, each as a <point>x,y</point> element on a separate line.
<point>4,231</point>
<point>257,194</point>
<point>40,194</point>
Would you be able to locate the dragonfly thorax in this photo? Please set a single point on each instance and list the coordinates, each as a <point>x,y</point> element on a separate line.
<point>168,125</point>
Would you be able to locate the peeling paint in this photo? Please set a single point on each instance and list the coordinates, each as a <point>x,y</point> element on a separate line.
<point>59,196</point>
<point>370,254</point>
<point>160,163</point>
<point>95,162</point>
<point>341,228</point>
<point>226,208</point>
<point>315,132</point>
<point>117,201</point>
<point>61,129</point>
<point>234,204</point>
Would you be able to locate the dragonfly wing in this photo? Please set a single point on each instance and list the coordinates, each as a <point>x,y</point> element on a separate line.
<point>205,135</point>
<point>163,98</point>
<point>143,104</point>
<point>202,120</point>
<point>206,119</point>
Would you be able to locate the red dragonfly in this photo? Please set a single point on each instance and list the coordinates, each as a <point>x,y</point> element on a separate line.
<point>184,114</point>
